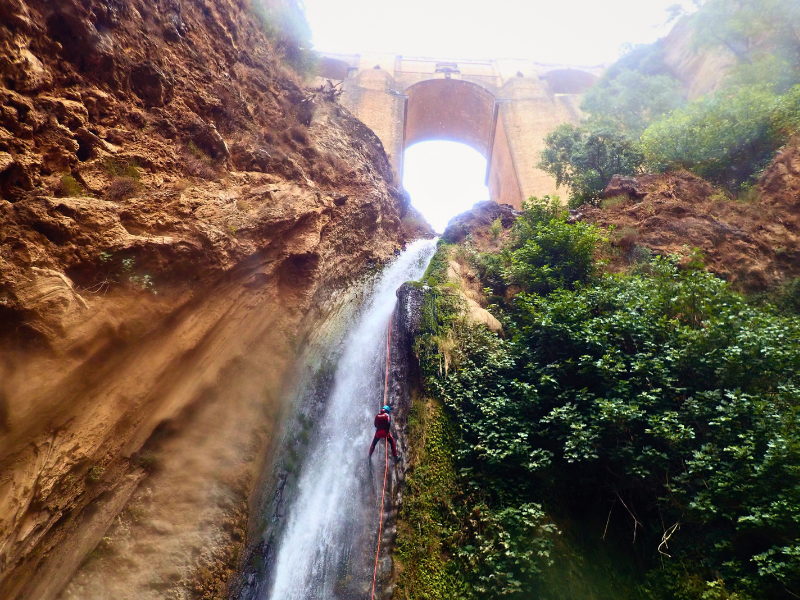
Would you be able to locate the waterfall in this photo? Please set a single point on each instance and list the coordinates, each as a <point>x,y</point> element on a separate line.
<point>328,544</point>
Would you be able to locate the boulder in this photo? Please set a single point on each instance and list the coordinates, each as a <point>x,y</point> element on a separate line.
<point>91,143</point>
<point>26,73</point>
<point>6,160</point>
<point>69,113</point>
<point>621,185</point>
<point>479,218</point>
<point>482,316</point>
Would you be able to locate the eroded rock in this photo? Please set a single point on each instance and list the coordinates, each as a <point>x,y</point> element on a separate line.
<point>151,83</point>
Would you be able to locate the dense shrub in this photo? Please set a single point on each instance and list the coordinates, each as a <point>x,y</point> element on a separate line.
<point>664,392</point>
<point>762,35</point>
<point>558,256</point>
<point>285,24</point>
<point>725,138</point>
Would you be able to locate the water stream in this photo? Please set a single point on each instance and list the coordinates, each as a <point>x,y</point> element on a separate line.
<point>328,544</point>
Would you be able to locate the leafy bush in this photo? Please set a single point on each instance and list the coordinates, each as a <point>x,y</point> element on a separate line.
<point>762,35</point>
<point>496,228</point>
<point>557,256</point>
<point>647,59</point>
<point>667,390</point>
<point>287,27</point>
<point>122,188</point>
<point>585,158</point>
<point>543,252</point>
<point>503,550</point>
<point>725,138</point>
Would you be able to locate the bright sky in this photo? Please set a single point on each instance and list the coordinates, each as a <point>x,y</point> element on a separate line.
<point>579,32</point>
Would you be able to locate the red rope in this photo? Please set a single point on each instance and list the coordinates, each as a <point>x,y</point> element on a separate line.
<point>386,461</point>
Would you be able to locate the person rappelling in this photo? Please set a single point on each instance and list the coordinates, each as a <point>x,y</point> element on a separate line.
<point>383,422</point>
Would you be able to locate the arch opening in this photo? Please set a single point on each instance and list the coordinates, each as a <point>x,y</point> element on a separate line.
<point>444,179</point>
<point>461,112</point>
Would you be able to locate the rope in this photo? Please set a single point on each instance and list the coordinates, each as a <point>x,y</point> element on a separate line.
<point>385,458</point>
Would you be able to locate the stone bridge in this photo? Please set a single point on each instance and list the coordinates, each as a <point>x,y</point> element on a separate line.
<point>502,108</point>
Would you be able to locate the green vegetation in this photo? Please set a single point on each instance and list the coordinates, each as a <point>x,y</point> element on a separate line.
<point>726,138</point>
<point>120,270</point>
<point>69,186</point>
<point>95,473</point>
<point>632,100</point>
<point>426,514</point>
<point>586,157</point>
<point>545,253</point>
<point>125,180</point>
<point>639,117</point>
<point>763,35</point>
<point>497,228</point>
<point>661,398</point>
<point>122,168</point>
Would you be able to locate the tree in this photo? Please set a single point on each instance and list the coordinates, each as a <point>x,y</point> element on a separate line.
<point>633,100</point>
<point>585,158</point>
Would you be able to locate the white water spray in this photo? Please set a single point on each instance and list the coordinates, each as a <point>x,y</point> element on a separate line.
<point>317,557</point>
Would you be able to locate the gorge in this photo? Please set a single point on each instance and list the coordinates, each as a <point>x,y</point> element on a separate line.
<point>211,279</point>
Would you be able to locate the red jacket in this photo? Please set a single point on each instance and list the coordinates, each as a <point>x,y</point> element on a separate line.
<point>383,421</point>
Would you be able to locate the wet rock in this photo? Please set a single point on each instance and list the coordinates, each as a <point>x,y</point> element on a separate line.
<point>410,296</point>
<point>152,84</point>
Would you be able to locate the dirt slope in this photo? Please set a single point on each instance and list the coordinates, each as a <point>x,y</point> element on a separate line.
<point>176,212</point>
<point>755,244</point>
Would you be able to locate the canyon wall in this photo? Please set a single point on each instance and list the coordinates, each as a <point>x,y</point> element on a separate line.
<point>176,213</point>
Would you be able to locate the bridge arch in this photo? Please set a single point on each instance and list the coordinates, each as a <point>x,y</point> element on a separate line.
<point>449,110</point>
<point>454,110</point>
<point>408,99</point>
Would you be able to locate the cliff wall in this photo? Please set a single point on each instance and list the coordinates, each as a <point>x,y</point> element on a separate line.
<point>176,212</point>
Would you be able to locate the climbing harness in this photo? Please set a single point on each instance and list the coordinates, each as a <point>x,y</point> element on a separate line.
<point>385,460</point>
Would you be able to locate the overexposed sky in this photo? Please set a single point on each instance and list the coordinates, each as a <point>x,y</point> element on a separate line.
<point>581,32</point>
<point>444,178</point>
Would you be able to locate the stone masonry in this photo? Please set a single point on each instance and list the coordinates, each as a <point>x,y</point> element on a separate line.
<point>503,108</point>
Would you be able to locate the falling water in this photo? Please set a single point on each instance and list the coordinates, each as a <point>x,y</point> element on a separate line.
<point>329,533</point>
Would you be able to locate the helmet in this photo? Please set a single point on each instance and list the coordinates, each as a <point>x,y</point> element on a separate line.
<point>387,408</point>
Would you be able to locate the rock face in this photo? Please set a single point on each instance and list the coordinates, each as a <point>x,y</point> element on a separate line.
<point>175,212</point>
<point>700,72</point>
